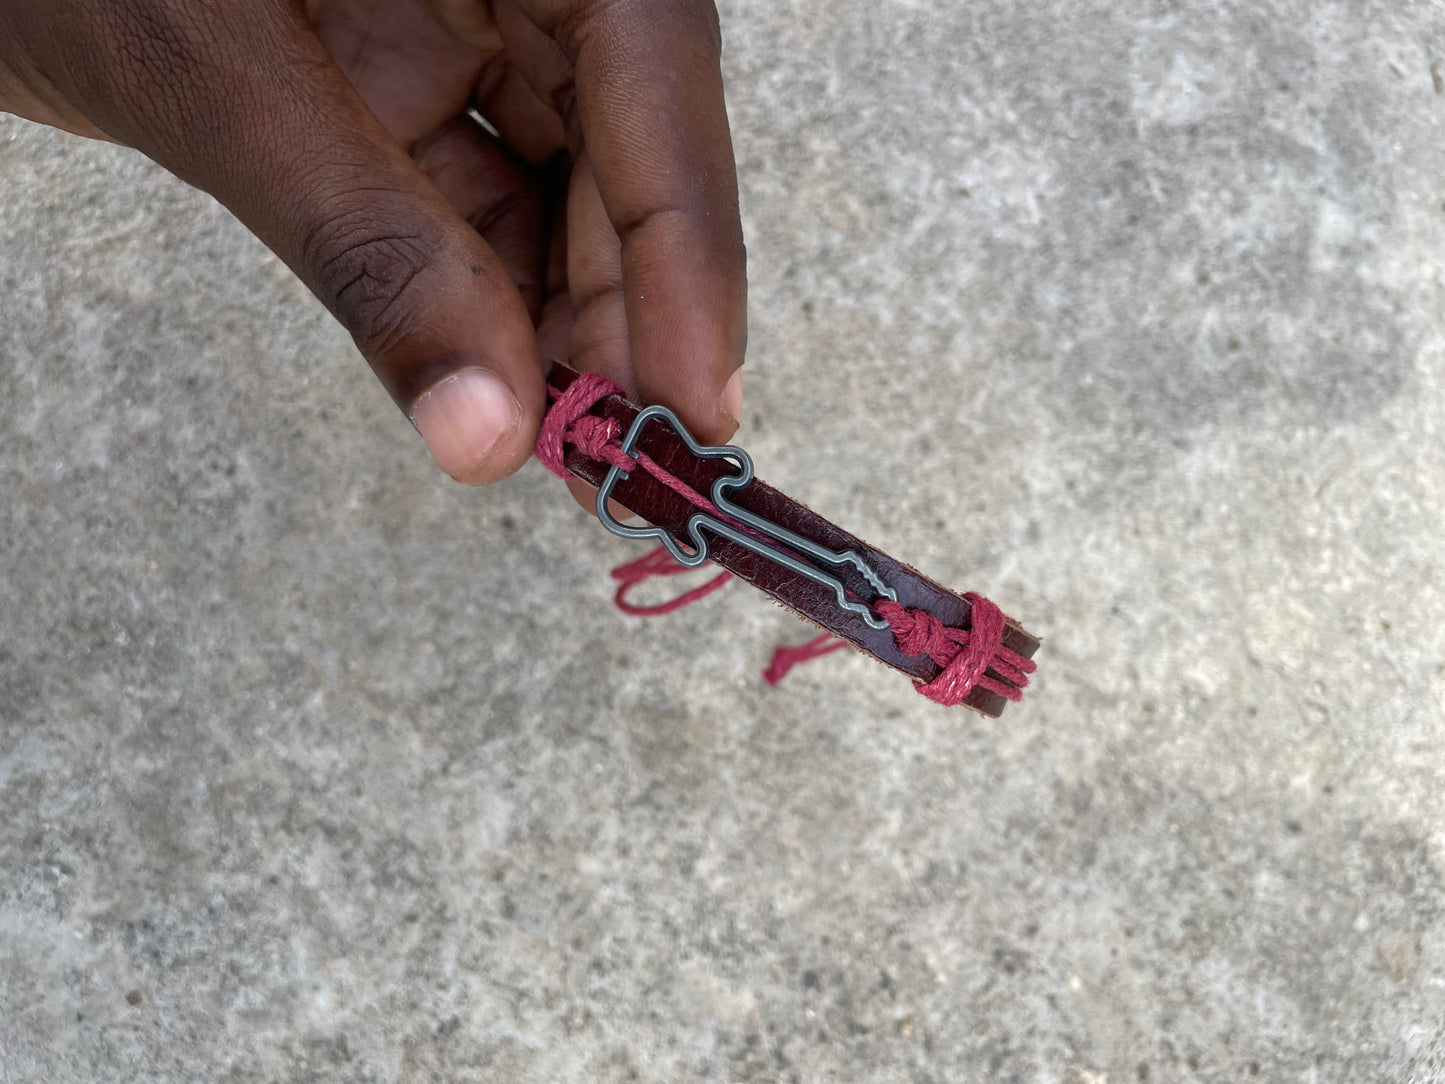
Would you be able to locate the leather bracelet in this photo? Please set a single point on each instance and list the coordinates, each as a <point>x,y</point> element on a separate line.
<point>690,495</point>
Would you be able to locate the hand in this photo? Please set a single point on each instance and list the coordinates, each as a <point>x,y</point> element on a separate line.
<point>600,227</point>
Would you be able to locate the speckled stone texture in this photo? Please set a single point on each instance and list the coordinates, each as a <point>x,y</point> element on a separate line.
<point>315,766</point>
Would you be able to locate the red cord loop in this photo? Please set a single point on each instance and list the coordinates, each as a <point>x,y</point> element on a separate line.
<point>659,562</point>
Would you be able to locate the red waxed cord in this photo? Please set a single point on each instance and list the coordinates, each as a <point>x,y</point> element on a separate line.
<point>964,654</point>
<point>659,563</point>
<point>785,658</point>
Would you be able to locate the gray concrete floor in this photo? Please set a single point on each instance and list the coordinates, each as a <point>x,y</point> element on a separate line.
<point>317,767</point>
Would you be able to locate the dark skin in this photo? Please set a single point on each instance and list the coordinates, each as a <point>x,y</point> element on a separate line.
<point>599,227</point>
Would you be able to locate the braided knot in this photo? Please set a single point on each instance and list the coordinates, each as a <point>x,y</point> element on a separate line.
<point>917,632</point>
<point>985,640</point>
<point>568,422</point>
<point>590,435</point>
<point>965,655</point>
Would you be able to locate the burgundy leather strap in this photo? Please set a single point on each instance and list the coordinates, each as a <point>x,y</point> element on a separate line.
<point>642,494</point>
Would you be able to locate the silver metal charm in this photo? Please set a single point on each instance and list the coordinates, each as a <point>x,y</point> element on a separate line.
<point>703,521</point>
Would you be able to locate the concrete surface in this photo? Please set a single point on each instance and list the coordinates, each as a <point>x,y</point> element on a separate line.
<point>316,767</point>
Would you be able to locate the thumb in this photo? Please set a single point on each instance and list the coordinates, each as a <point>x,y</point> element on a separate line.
<point>245,102</point>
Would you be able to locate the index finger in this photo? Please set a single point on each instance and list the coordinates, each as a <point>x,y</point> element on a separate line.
<point>649,102</point>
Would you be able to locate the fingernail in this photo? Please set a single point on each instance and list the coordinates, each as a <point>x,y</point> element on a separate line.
<point>463,417</point>
<point>732,398</point>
